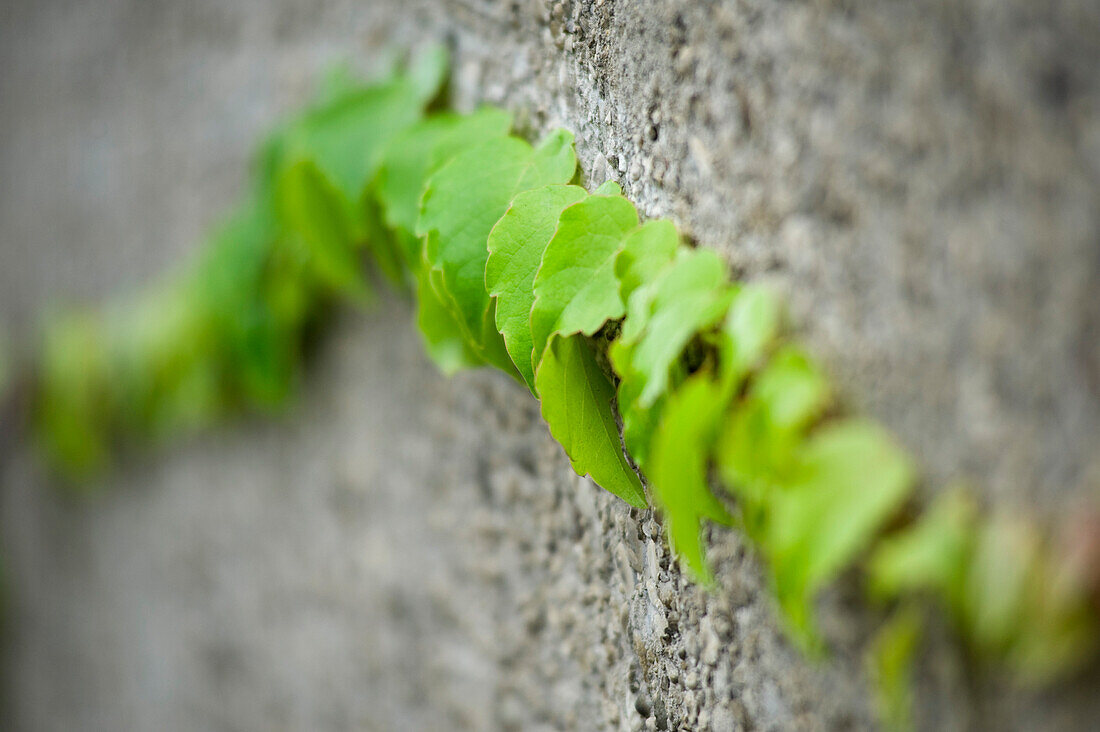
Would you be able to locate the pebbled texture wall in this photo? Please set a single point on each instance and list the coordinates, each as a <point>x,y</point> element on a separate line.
<point>405,552</point>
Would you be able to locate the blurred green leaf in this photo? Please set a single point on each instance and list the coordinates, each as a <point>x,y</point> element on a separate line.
<point>750,329</point>
<point>931,555</point>
<point>345,136</point>
<point>441,333</point>
<point>890,665</point>
<point>73,409</point>
<point>993,593</point>
<point>428,72</point>
<point>757,448</point>
<point>678,468</point>
<point>314,212</point>
<point>848,479</point>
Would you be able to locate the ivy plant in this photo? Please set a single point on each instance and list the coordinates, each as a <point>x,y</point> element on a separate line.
<point>602,316</point>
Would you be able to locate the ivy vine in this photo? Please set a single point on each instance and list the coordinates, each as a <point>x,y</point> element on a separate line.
<point>608,320</point>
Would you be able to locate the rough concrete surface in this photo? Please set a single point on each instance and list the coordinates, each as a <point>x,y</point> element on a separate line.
<point>405,552</point>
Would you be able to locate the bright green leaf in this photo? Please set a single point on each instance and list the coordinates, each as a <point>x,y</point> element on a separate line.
<point>338,80</point>
<point>575,286</point>
<point>410,159</point>
<point>688,296</point>
<point>639,423</point>
<point>576,403</point>
<point>645,253</point>
<point>751,326</point>
<point>516,245</point>
<point>608,188</point>
<point>792,389</point>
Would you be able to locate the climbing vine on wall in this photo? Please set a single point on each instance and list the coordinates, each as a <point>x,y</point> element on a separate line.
<point>666,382</point>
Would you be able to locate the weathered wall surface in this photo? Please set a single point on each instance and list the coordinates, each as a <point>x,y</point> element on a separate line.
<point>404,552</point>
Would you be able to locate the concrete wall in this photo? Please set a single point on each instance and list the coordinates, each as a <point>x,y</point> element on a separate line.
<point>405,552</point>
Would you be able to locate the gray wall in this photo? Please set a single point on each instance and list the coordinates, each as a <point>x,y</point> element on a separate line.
<point>405,552</point>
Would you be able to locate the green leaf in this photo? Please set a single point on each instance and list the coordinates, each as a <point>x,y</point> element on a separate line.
<point>645,254</point>
<point>849,478</point>
<point>254,297</point>
<point>639,423</point>
<point>159,389</point>
<point>1059,630</point>
<point>994,592</point>
<point>756,451</point>
<point>442,337</point>
<point>315,212</point>
<point>345,137</point>
<point>890,666</point>
<point>751,327</point>
<point>72,412</point>
<point>576,403</point>
<point>387,245</point>
<point>575,286</point>
<point>793,388</point>
<point>462,202</point>
<point>608,188</point>
<point>692,294</point>
<point>1006,596</point>
<point>688,295</point>
<point>337,80</point>
<point>678,468</point>
<point>516,245</point>
<point>931,555</point>
<point>411,158</point>
<point>428,71</point>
